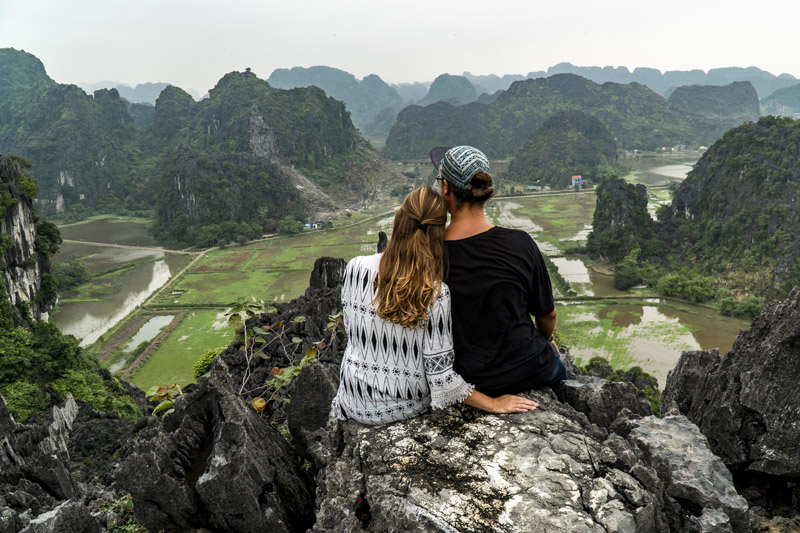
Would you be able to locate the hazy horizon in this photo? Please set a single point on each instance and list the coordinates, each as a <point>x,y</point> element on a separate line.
<point>192,44</point>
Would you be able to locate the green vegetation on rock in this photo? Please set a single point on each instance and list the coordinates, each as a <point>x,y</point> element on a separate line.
<point>732,104</point>
<point>731,231</point>
<point>636,116</point>
<point>567,143</point>
<point>449,88</point>
<point>251,143</point>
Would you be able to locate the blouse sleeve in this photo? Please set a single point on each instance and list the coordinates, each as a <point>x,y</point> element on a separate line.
<point>447,387</point>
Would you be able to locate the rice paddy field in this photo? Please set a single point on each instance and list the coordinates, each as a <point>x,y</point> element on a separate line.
<point>627,328</point>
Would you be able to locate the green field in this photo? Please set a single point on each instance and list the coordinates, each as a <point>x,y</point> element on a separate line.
<point>273,270</point>
<point>199,331</point>
<point>278,269</point>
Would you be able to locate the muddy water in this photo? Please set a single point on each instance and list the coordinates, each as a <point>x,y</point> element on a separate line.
<point>88,320</point>
<point>106,231</point>
<point>672,171</point>
<point>576,274</point>
<point>649,336</point>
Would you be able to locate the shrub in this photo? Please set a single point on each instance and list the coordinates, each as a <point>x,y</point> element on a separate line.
<point>696,288</point>
<point>203,363</point>
<point>23,398</point>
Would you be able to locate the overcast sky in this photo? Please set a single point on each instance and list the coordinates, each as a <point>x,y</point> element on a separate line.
<point>193,43</point>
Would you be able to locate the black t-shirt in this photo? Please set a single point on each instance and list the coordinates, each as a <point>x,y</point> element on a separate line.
<point>497,280</point>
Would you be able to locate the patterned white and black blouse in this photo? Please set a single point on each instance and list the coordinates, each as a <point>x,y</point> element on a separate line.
<point>390,372</point>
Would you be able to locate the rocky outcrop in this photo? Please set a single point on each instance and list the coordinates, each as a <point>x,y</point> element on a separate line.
<point>546,470</point>
<point>604,401</point>
<point>621,221</point>
<point>692,475</point>
<point>731,104</point>
<point>214,463</point>
<point>22,262</point>
<point>591,459</point>
<point>744,404</point>
<point>37,489</point>
<point>327,273</point>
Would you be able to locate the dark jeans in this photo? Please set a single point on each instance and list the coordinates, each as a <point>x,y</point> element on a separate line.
<point>559,370</point>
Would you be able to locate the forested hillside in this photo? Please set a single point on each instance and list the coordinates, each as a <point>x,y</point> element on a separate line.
<point>84,149</point>
<point>734,219</point>
<point>636,116</point>
<point>449,88</point>
<point>231,151</point>
<point>365,99</point>
<point>251,143</point>
<point>568,143</point>
<point>730,104</point>
<point>784,101</point>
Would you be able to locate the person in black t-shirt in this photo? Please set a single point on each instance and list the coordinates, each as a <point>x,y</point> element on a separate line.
<point>497,280</point>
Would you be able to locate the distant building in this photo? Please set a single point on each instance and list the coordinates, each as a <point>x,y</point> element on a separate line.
<point>577,180</point>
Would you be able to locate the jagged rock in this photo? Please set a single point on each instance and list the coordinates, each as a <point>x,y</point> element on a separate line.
<point>312,394</point>
<point>572,368</point>
<point>216,464</point>
<point>22,262</point>
<point>37,489</point>
<point>602,401</point>
<point>327,273</point>
<point>69,517</point>
<point>742,402</point>
<point>34,461</point>
<point>463,470</point>
<point>95,443</point>
<point>694,476</point>
<point>314,306</point>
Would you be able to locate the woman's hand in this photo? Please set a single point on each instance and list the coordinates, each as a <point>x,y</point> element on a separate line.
<point>509,403</point>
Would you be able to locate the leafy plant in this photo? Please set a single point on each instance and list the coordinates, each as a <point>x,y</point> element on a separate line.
<point>166,397</point>
<point>283,376</point>
<point>124,521</point>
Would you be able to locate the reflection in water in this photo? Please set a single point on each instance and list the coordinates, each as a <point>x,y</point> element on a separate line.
<point>582,235</point>
<point>648,336</point>
<point>622,316</point>
<point>148,331</point>
<point>88,320</point>
<point>503,212</point>
<point>111,232</point>
<point>672,171</point>
<point>576,274</point>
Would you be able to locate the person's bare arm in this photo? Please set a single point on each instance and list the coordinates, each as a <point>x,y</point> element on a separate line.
<point>546,324</point>
<point>508,403</point>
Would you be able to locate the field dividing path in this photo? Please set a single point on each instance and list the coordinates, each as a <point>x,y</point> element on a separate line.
<point>127,247</point>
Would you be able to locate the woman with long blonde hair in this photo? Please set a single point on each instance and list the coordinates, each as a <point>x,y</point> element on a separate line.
<point>396,310</point>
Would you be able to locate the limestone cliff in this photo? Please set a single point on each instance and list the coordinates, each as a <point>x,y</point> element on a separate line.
<point>590,459</point>
<point>26,244</point>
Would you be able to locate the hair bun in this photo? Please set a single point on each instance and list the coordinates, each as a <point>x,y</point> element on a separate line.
<point>481,180</point>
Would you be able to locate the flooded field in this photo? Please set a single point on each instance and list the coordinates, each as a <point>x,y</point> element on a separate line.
<point>659,169</point>
<point>648,333</point>
<point>148,331</point>
<point>126,277</point>
<point>650,336</point>
<point>87,320</point>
